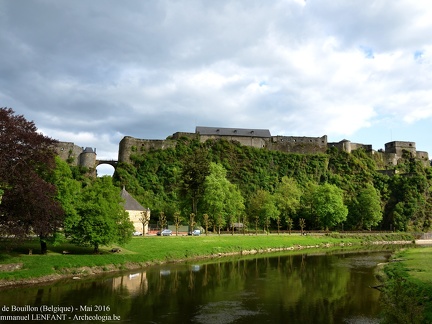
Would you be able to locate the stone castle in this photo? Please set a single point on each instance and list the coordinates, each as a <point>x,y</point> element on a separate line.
<point>258,138</point>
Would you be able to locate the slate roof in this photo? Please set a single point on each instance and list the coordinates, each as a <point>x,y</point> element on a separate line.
<point>249,132</point>
<point>130,202</point>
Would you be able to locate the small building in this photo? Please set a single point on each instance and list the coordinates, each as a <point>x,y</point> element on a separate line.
<point>138,215</point>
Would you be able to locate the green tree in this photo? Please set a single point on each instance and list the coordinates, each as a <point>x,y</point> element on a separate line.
<point>222,199</point>
<point>215,190</point>
<point>288,195</point>
<point>328,206</point>
<point>101,217</point>
<point>234,205</point>
<point>193,175</point>
<point>409,203</point>
<point>262,207</point>
<point>365,210</point>
<point>68,191</point>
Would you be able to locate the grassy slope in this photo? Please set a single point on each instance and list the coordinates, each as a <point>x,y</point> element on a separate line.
<point>409,286</point>
<point>142,250</point>
<point>418,264</point>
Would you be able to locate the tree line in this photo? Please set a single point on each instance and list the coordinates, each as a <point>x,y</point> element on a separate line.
<point>215,184</point>
<point>222,183</point>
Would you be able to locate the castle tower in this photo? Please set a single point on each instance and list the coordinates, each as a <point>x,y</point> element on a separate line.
<point>88,158</point>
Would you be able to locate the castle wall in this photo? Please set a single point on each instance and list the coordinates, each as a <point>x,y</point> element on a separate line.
<point>398,146</point>
<point>422,155</point>
<point>348,146</point>
<point>178,135</point>
<point>128,145</point>
<point>70,152</point>
<point>297,144</point>
<point>256,142</point>
<point>77,156</point>
<point>390,158</point>
<point>366,147</point>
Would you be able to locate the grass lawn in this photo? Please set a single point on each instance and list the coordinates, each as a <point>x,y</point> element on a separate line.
<point>408,287</point>
<point>418,263</point>
<point>143,250</point>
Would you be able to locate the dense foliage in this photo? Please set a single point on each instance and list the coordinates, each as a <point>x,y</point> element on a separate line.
<point>94,214</point>
<point>407,288</point>
<point>336,190</point>
<point>27,204</point>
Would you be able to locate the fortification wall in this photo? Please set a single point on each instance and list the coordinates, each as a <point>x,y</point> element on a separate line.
<point>348,146</point>
<point>69,152</point>
<point>76,155</point>
<point>128,145</point>
<point>366,147</point>
<point>257,142</point>
<point>423,157</point>
<point>178,135</point>
<point>398,146</point>
<point>298,144</point>
<point>390,158</point>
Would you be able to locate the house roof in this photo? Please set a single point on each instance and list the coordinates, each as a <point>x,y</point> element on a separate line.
<point>129,202</point>
<point>250,132</point>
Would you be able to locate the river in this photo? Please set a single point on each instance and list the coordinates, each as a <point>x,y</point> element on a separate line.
<point>312,287</point>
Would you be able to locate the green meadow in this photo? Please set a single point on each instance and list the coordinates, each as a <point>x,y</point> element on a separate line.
<point>17,264</point>
<point>408,286</point>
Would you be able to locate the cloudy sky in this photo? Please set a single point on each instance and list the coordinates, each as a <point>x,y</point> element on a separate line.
<point>92,72</point>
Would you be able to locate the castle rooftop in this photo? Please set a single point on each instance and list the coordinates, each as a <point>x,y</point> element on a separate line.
<point>209,131</point>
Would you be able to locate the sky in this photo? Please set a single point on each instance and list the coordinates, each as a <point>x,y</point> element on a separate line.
<point>92,72</point>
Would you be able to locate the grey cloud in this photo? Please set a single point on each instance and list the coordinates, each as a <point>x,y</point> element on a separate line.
<point>151,68</point>
<point>381,25</point>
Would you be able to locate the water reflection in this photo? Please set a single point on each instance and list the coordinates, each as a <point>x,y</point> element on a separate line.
<point>303,288</point>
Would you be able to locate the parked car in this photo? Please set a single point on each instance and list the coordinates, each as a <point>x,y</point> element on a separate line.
<point>166,232</point>
<point>137,233</point>
<point>196,233</point>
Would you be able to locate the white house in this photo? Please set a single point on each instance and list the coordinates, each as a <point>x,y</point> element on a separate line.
<point>137,213</point>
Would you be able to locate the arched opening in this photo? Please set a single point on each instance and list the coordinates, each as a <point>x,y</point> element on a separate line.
<point>104,169</point>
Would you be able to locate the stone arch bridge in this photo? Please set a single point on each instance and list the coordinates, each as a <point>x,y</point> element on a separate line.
<point>110,162</point>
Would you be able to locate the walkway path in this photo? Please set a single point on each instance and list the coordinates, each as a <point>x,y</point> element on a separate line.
<point>423,242</point>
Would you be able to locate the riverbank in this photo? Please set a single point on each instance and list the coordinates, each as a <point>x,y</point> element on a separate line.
<point>407,293</point>
<point>17,266</point>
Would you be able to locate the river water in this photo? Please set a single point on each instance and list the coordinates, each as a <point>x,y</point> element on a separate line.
<point>286,288</point>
